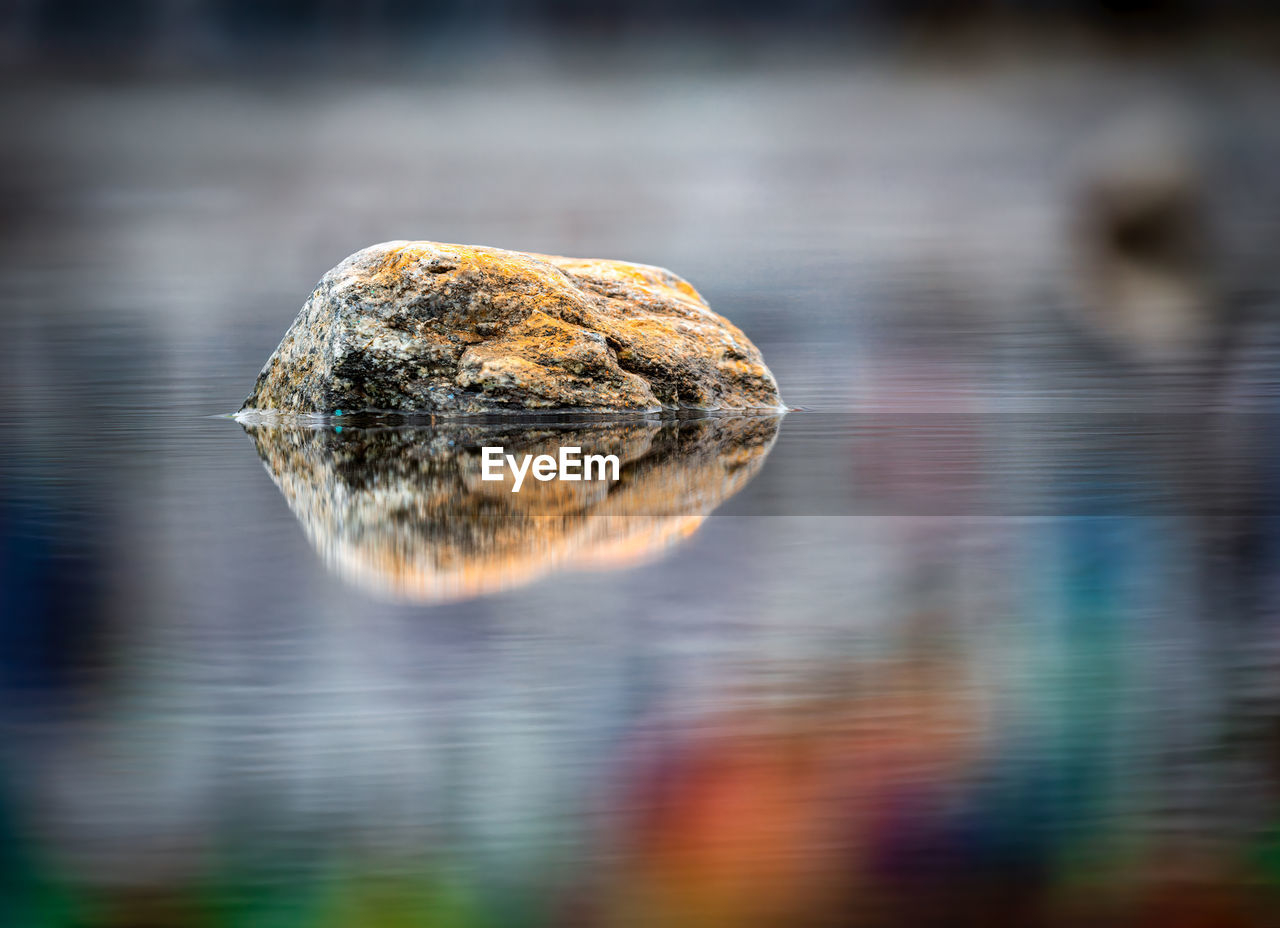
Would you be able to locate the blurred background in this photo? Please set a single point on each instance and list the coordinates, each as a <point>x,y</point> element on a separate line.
<point>987,634</point>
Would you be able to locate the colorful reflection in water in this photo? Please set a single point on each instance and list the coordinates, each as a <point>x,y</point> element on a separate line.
<point>1026,721</point>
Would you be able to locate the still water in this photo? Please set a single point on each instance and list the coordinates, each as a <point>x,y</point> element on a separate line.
<point>982,632</point>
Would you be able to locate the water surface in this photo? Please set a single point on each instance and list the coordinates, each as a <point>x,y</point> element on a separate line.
<point>983,632</point>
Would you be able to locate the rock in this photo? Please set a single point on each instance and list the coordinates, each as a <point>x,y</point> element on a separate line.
<point>1143,244</point>
<point>404,512</point>
<point>462,330</point>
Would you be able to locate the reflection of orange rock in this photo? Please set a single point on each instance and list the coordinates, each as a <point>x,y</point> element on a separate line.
<point>405,513</point>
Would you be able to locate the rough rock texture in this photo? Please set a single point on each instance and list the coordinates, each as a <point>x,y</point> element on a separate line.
<point>455,329</point>
<point>404,512</point>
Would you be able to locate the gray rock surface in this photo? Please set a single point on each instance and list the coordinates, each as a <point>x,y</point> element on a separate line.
<point>462,330</point>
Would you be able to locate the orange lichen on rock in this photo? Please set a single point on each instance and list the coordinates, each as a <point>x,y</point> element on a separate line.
<point>457,329</point>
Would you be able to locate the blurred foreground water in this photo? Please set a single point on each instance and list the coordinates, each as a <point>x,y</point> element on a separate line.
<point>984,633</point>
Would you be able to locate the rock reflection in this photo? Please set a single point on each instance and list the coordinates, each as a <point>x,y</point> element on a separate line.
<point>404,512</point>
